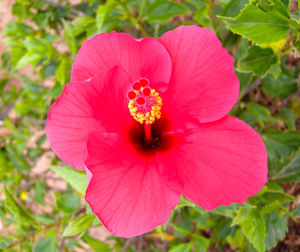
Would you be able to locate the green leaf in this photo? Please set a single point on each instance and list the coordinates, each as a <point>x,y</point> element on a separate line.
<point>280,88</point>
<point>201,243</point>
<point>79,225</point>
<point>261,26</point>
<point>234,7</point>
<point>275,71</point>
<point>245,81</point>
<point>289,117</point>
<point>4,242</point>
<point>287,3</point>
<point>17,29</point>
<point>83,21</point>
<point>76,178</point>
<point>275,46</point>
<point>222,229</point>
<point>5,165</point>
<point>226,211</point>
<point>202,15</point>
<point>97,245</point>
<point>237,239</point>
<point>287,169</point>
<point>84,24</point>
<point>39,45</point>
<point>196,3</point>
<point>257,60</point>
<point>253,226</point>
<point>42,19</point>
<point>260,113</point>
<point>270,196</point>
<point>288,213</point>
<point>47,244</point>
<point>29,58</point>
<point>16,54</point>
<point>3,83</point>
<point>21,10</point>
<point>102,13</point>
<point>184,247</point>
<point>277,227</point>
<point>37,49</point>
<point>163,10</point>
<point>39,192</point>
<point>296,211</point>
<point>62,71</point>
<point>269,208</point>
<point>69,203</point>
<point>274,5</point>
<point>70,37</point>
<point>281,144</point>
<point>247,118</point>
<point>22,216</point>
<point>19,161</point>
<point>182,231</point>
<point>100,17</point>
<point>184,202</point>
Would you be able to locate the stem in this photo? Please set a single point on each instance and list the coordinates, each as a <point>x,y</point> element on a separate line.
<point>148,135</point>
<point>253,86</point>
<point>34,234</point>
<point>45,229</point>
<point>284,102</point>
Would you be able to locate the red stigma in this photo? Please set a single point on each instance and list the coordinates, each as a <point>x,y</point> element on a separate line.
<point>140,101</point>
<point>136,86</point>
<point>131,95</point>
<point>146,91</point>
<point>144,82</point>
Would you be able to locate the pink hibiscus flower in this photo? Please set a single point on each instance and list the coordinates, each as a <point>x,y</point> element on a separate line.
<point>147,119</point>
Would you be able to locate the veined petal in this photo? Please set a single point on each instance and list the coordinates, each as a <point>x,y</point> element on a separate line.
<point>203,85</point>
<point>145,58</point>
<point>126,191</point>
<point>218,163</point>
<point>86,106</point>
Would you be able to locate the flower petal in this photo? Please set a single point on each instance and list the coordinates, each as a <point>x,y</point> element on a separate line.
<point>203,84</point>
<point>83,107</point>
<point>139,58</point>
<point>126,191</point>
<point>218,163</point>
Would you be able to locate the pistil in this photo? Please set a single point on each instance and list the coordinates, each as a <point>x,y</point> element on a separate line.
<point>148,135</point>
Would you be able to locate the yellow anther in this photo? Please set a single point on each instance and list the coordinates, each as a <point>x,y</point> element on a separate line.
<point>148,112</point>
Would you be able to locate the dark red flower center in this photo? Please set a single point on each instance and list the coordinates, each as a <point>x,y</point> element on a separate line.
<point>160,141</point>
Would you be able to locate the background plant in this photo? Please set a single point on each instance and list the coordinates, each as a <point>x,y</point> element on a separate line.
<point>39,211</point>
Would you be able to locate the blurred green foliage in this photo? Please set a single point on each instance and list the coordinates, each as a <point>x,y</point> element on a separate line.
<point>262,35</point>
